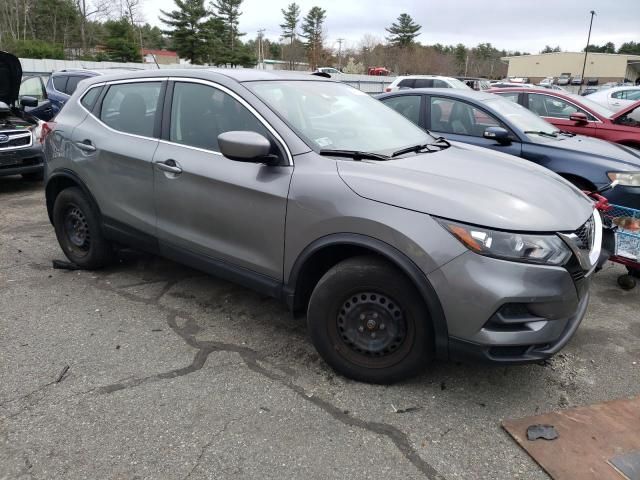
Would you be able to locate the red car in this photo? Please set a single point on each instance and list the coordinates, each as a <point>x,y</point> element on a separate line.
<point>577,114</point>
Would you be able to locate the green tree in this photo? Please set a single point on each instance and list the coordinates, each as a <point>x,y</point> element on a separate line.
<point>630,48</point>
<point>550,49</point>
<point>189,30</point>
<point>152,37</point>
<point>34,49</point>
<point>290,27</point>
<point>403,32</point>
<point>228,11</point>
<point>608,47</point>
<point>312,32</point>
<point>120,42</point>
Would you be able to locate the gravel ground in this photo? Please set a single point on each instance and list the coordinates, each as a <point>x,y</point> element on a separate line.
<point>173,374</point>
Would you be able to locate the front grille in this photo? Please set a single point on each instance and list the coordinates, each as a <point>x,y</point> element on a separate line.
<point>15,139</point>
<point>586,235</point>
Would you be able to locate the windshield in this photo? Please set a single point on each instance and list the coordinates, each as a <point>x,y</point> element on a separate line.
<point>455,83</point>
<point>596,107</point>
<point>332,116</point>
<point>524,119</point>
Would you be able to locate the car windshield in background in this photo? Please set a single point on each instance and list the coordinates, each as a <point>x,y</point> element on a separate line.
<point>333,116</point>
<point>455,83</point>
<point>521,117</point>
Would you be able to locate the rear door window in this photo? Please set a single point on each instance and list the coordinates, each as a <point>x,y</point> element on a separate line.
<point>513,96</point>
<point>424,83</point>
<point>407,105</point>
<point>406,83</point>
<point>72,84</point>
<point>131,107</point>
<point>440,84</point>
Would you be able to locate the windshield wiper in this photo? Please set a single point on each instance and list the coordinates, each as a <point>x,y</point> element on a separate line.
<point>542,133</point>
<point>439,142</point>
<point>567,133</point>
<point>355,154</point>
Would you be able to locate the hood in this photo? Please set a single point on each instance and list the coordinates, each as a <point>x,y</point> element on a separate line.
<point>594,147</point>
<point>10,77</point>
<point>473,185</point>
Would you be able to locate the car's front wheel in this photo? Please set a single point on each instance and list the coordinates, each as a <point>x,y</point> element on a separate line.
<point>78,230</point>
<point>369,323</point>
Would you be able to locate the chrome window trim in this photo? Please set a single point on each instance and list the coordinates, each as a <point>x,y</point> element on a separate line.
<point>188,80</point>
<point>244,103</point>
<point>569,102</point>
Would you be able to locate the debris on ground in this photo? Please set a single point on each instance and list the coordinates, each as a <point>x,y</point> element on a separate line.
<point>62,373</point>
<point>404,410</point>
<point>62,265</point>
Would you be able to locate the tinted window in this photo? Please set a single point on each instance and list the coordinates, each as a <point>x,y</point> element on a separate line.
<point>60,82</point>
<point>200,113</point>
<point>424,83</point>
<point>440,84</point>
<point>548,106</point>
<point>453,116</point>
<point>406,83</point>
<point>72,84</point>
<point>89,98</point>
<point>408,105</point>
<point>131,107</point>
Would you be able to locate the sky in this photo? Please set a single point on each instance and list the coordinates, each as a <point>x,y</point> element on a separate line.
<point>524,25</point>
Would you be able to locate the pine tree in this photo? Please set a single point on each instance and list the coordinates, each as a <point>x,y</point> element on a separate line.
<point>403,32</point>
<point>312,33</point>
<point>290,27</point>
<point>189,34</point>
<point>121,41</point>
<point>228,11</point>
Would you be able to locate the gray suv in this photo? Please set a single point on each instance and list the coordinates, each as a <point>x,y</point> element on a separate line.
<point>399,246</point>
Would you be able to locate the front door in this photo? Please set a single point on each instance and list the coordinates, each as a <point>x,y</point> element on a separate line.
<point>460,121</point>
<point>557,111</point>
<point>223,211</point>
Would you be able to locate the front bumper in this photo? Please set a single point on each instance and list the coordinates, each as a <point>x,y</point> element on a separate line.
<point>22,160</point>
<point>509,312</point>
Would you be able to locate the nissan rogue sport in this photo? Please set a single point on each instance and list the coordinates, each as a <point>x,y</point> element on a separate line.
<point>400,247</point>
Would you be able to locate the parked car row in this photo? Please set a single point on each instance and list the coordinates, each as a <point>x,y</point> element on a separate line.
<point>396,233</point>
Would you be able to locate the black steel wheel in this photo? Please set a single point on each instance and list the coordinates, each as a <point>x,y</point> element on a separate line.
<point>369,323</point>
<point>78,230</point>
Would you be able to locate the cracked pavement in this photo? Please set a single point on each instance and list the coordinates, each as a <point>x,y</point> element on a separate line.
<point>174,374</point>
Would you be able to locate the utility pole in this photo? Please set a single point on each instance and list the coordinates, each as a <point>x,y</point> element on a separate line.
<point>340,40</point>
<point>586,51</point>
<point>260,48</point>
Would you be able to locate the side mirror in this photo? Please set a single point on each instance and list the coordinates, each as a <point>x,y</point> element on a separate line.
<point>498,134</point>
<point>27,101</point>
<point>244,146</point>
<point>578,117</point>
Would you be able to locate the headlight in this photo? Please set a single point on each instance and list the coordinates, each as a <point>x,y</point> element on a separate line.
<point>520,247</point>
<point>628,179</point>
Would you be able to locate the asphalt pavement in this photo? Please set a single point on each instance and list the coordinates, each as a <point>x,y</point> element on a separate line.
<point>149,369</point>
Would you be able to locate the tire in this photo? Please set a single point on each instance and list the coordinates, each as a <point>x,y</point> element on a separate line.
<point>78,230</point>
<point>33,176</point>
<point>369,323</point>
<point>634,272</point>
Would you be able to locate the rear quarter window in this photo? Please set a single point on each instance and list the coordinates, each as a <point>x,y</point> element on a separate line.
<point>89,99</point>
<point>60,82</point>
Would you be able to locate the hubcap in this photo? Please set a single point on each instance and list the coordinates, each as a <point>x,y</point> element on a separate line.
<point>77,229</point>
<point>371,324</point>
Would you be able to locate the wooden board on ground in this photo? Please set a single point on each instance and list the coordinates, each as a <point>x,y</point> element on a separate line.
<point>591,440</point>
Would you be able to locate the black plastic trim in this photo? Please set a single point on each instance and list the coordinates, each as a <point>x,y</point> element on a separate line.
<point>224,270</point>
<point>392,254</point>
<point>121,233</point>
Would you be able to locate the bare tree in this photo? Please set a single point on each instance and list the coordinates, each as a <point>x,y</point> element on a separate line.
<point>89,10</point>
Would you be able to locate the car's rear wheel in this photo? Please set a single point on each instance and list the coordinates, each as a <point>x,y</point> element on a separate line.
<point>78,230</point>
<point>369,323</point>
<point>33,176</point>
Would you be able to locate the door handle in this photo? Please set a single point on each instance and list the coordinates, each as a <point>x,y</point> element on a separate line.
<point>86,146</point>
<point>170,166</point>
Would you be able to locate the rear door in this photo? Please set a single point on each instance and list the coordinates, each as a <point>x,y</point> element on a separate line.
<point>557,111</point>
<point>458,120</point>
<point>113,149</point>
<point>229,215</point>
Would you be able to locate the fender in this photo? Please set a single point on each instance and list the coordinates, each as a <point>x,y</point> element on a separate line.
<point>70,177</point>
<point>396,257</point>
